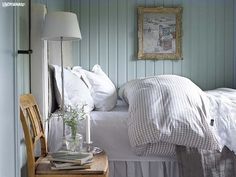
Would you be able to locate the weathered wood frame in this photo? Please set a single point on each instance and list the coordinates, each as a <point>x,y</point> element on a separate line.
<point>178,42</point>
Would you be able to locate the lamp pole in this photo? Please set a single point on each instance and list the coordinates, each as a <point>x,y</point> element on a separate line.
<point>62,87</point>
<point>64,146</point>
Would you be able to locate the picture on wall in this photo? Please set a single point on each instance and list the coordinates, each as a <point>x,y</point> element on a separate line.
<point>159,33</point>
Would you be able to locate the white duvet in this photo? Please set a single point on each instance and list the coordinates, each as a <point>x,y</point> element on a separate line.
<point>223,111</point>
<point>172,109</point>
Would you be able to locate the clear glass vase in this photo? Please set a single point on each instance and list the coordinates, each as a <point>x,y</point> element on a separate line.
<point>74,144</point>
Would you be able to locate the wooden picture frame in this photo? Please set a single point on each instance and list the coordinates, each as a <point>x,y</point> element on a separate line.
<point>160,33</point>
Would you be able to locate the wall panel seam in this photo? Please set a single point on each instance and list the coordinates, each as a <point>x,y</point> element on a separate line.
<point>127,41</point>
<point>234,44</point>
<point>117,42</point>
<point>15,100</point>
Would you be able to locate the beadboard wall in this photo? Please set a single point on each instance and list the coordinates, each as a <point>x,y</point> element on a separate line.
<point>109,37</point>
<point>9,160</point>
<point>234,44</point>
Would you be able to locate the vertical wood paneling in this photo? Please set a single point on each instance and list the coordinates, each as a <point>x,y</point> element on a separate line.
<point>131,39</point>
<point>56,5</point>
<point>195,47</point>
<point>8,147</point>
<point>141,64</point>
<point>220,38</point>
<point>211,21</point>
<point>150,64</point>
<point>167,63</point>
<point>112,38</point>
<point>202,66</point>
<point>234,21</point>
<point>93,33</point>
<point>85,28</point>
<point>228,43</point>
<point>122,44</point>
<point>177,65</point>
<point>103,34</point>
<point>159,63</point>
<point>186,39</point>
<point>75,8</point>
<point>109,37</point>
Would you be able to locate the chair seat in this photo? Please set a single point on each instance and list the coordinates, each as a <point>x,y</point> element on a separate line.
<point>99,166</point>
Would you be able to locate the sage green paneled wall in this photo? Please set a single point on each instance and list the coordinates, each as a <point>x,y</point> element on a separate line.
<point>234,43</point>
<point>22,68</point>
<point>109,37</point>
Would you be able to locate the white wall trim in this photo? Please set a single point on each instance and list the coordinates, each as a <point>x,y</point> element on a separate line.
<point>39,65</point>
<point>45,87</point>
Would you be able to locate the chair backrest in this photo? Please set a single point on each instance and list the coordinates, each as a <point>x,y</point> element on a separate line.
<point>33,130</point>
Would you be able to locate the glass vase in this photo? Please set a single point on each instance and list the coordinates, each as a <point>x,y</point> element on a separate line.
<point>74,143</point>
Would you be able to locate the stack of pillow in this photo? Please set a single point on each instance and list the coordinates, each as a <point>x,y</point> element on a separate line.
<point>81,87</point>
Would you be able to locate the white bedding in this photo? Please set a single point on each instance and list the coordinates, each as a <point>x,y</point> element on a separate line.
<point>109,131</point>
<point>223,112</point>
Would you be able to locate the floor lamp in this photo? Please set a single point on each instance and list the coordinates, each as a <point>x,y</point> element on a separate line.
<point>61,26</point>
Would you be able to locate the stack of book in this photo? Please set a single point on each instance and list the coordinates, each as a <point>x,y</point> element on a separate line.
<point>64,160</point>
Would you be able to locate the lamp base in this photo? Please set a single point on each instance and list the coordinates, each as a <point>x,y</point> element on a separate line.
<point>93,149</point>
<point>88,146</point>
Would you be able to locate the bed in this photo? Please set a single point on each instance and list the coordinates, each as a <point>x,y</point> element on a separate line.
<point>111,132</point>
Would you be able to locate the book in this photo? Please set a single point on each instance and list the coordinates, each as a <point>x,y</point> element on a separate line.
<point>68,166</point>
<point>71,157</point>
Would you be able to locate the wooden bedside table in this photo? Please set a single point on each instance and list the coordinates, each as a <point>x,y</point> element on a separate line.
<point>99,168</point>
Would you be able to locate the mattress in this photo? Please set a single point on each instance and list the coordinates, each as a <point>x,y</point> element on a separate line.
<point>109,131</point>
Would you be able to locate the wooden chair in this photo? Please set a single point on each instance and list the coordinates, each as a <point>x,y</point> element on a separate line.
<point>40,167</point>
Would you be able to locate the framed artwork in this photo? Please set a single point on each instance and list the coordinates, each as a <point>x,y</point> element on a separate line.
<point>159,33</point>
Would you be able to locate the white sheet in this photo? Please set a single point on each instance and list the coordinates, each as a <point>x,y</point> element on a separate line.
<point>110,132</point>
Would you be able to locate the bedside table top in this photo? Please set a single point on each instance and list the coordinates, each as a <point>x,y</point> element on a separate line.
<point>99,167</point>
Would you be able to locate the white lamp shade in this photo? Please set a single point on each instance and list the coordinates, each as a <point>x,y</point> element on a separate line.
<point>61,24</point>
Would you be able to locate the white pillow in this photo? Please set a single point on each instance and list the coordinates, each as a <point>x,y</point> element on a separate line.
<point>79,72</point>
<point>103,90</point>
<point>75,93</point>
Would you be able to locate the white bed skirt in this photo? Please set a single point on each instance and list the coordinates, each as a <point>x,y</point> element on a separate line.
<point>143,169</point>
